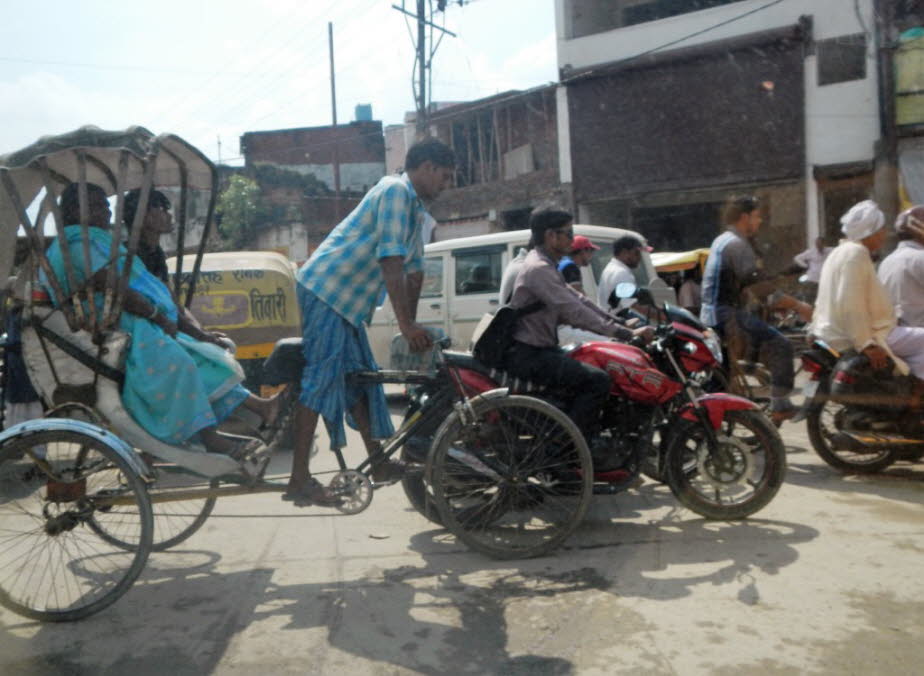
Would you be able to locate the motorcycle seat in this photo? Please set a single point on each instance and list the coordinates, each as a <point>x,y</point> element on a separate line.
<point>285,363</point>
<point>465,360</point>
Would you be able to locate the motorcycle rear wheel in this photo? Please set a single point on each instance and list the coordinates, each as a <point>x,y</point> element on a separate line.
<point>822,425</point>
<point>729,493</point>
<point>515,482</point>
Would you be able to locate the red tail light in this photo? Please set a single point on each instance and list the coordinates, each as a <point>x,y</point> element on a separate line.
<point>40,296</point>
<point>844,378</point>
<point>811,365</point>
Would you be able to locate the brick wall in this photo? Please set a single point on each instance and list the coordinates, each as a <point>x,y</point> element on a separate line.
<point>356,142</point>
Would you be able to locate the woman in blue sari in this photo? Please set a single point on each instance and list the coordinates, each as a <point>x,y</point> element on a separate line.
<point>175,386</point>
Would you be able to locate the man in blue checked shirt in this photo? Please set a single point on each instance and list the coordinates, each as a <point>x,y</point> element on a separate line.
<point>378,248</point>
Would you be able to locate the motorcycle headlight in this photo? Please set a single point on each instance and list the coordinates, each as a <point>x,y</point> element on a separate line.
<point>714,344</point>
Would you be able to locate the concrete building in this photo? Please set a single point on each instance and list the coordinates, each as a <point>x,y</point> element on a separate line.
<point>358,148</point>
<point>666,108</point>
<point>301,219</point>
<point>507,161</point>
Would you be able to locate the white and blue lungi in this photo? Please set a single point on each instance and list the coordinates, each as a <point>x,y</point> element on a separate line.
<point>333,348</point>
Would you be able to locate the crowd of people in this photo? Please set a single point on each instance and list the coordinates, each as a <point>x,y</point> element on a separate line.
<point>180,391</point>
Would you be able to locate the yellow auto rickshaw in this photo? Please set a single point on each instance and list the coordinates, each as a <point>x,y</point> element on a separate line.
<point>679,261</point>
<point>250,296</point>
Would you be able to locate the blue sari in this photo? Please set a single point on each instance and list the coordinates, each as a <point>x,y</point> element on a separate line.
<point>173,387</point>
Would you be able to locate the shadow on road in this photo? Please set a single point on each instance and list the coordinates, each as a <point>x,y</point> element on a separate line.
<point>900,481</point>
<point>453,614</point>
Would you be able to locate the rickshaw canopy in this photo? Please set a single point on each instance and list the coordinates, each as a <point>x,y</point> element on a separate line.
<point>177,164</point>
<point>678,261</point>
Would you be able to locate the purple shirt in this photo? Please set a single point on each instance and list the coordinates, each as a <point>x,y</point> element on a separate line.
<point>539,279</point>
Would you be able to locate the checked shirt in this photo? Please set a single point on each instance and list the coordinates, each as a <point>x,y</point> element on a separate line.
<point>344,270</point>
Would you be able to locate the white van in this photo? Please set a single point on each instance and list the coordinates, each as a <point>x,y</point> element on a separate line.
<point>462,279</point>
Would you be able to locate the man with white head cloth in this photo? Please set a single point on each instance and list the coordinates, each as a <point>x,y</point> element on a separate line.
<point>853,309</point>
<point>902,271</point>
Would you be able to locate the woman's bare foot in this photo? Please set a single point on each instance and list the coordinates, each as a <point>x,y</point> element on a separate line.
<point>272,408</point>
<point>266,407</point>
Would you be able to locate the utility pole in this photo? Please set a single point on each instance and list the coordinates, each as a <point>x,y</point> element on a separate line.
<point>424,56</point>
<point>886,171</point>
<point>333,106</point>
<point>422,67</point>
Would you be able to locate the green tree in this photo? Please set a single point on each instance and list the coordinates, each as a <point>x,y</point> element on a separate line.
<point>241,210</point>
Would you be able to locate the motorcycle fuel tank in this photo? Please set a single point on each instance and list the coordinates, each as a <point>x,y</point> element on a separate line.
<point>632,372</point>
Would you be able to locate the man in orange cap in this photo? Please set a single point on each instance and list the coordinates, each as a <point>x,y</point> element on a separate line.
<point>582,250</point>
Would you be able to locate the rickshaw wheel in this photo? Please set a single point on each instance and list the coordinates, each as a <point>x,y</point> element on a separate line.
<point>77,411</point>
<point>513,483</point>
<point>174,520</point>
<point>51,566</point>
<point>354,490</point>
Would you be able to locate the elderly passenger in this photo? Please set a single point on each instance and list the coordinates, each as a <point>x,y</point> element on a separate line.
<point>175,387</point>
<point>902,271</point>
<point>853,309</point>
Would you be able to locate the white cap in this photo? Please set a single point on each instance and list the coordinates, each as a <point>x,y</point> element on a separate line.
<point>862,220</point>
<point>908,216</point>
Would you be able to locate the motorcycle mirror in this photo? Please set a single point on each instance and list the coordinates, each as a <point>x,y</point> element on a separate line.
<point>626,290</point>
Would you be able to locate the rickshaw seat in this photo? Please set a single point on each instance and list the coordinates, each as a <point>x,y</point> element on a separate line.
<point>57,357</point>
<point>55,373</point>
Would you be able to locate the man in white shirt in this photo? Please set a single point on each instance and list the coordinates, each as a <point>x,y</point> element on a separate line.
<point>509,278</point>
<point>627,254</point>
<point>853,309</point>
<point>812,259</point>
<point>902,271</point>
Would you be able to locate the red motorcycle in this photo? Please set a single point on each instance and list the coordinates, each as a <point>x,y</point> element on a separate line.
<point>719,453</point>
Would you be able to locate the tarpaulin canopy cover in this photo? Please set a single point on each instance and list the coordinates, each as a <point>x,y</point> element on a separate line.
<point>177,163</point>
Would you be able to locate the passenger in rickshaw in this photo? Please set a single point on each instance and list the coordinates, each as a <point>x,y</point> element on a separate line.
<point>175,386</point>
<point>158,221</point>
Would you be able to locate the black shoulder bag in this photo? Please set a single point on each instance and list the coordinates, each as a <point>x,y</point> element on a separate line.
<point>494,333</point>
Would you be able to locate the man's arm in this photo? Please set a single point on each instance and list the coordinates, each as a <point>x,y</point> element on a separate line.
<point>400,288</point>
<point>572,308</point>
<point>414,285</point>
<point>801,259</point>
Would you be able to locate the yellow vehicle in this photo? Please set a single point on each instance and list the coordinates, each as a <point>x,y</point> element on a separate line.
<point>679,261</point>
<point>249,295</point>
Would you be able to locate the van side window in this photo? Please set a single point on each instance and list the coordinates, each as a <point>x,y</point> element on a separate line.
<point>433,277</point>
<point>478,272</point>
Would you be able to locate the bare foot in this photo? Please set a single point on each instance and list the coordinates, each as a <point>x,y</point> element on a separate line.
<point>271,409</point>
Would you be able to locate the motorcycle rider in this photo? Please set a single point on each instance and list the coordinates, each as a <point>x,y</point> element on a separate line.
<point>853,308</point>
<point>732,269</point>
<point>582,251</point>
<point>811,261</point>
<point>902,271</point>
<point>534,354</point>
<point>627,254</point>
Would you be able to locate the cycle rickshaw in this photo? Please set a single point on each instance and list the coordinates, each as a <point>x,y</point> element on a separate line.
<point>86,493</point>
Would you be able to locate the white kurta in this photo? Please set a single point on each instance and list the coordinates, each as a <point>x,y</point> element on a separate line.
<point>616,272</point>
<point>853,309</point>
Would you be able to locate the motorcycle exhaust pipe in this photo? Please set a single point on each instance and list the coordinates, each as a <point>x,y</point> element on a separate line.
<point>870,441</point>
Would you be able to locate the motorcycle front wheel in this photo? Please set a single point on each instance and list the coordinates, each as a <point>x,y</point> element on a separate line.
<point>738,488</point>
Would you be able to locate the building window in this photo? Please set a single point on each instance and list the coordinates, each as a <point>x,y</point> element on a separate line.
<point>589,17</point>
<point>841,59</point>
